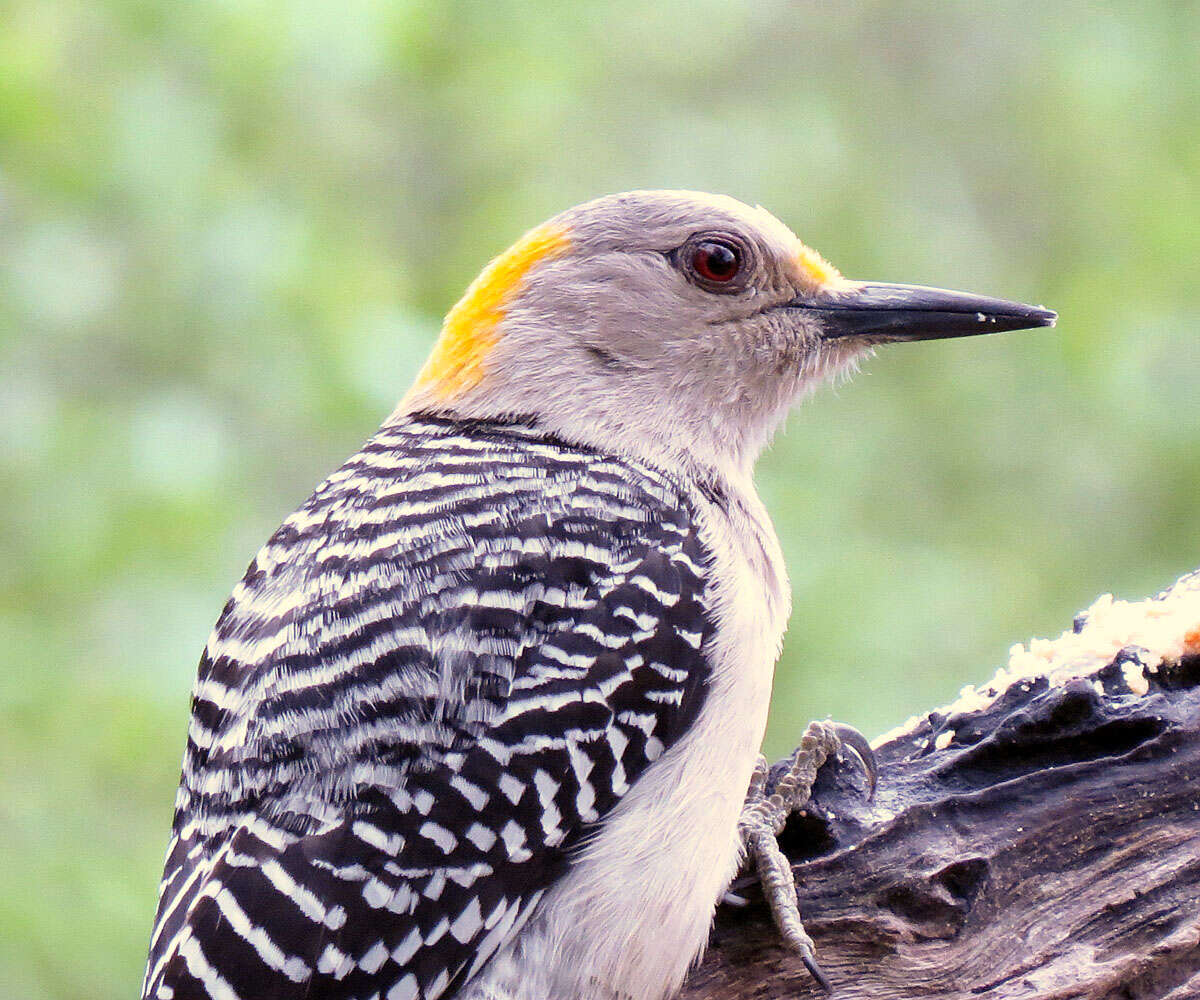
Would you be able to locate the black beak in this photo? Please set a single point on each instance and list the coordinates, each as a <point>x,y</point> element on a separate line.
<point>883,313</point>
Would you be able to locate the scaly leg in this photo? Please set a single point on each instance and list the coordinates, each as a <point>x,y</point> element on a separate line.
<point>766,811</point>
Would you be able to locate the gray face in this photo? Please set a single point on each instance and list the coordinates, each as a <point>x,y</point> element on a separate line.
<point>651,274</point>
<point>689,323</point>
<point>665,319</point>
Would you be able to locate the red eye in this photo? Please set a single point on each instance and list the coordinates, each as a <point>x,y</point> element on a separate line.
<point>718,262</point>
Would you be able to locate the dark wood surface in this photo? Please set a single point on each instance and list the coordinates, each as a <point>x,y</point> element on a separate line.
<point>1045,847</point>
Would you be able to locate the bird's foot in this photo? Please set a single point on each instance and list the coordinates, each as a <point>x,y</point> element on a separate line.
<point>770,800</point>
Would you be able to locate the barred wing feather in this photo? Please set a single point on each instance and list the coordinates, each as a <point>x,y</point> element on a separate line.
<point>454,658</point>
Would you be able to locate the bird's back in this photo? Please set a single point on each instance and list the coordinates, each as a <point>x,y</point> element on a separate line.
<point>437,674</point>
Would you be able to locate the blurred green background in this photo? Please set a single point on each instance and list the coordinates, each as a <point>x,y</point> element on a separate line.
<point>228,231</point>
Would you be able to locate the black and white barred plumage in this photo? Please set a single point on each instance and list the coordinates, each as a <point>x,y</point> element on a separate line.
<point>434,680</point>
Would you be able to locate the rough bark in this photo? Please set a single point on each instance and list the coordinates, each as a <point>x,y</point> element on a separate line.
<point>1044,846</point>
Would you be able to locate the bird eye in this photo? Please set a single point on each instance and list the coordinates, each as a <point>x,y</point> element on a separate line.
<point>716,261</point>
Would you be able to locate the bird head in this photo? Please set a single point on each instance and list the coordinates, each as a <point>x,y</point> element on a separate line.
<point>673,325</point>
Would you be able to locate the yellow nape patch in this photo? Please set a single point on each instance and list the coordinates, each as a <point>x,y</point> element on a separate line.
<point>815,268</point>
<point>469,332</point>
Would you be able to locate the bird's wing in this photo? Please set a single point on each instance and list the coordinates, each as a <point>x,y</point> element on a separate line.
<point>442,669</point>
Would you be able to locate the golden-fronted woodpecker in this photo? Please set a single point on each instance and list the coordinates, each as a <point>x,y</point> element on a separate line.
<point>481,718</point>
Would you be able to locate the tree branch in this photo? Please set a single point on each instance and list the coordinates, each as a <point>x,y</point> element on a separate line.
<point>1039,839</point>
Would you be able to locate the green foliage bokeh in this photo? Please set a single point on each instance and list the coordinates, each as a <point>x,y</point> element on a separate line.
<point>228,231</point>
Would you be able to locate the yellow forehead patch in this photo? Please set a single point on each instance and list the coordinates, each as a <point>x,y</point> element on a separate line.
<point>815,268</point>
<point>469,332</point>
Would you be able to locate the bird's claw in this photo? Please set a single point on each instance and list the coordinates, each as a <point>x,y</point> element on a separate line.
<point>814,970</point>
<point>860,748</point>
<point>768,805</point>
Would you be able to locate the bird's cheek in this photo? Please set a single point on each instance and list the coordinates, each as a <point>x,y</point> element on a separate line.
<point>783,344</point>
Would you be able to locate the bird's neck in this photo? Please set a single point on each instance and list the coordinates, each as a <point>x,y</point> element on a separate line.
<point>702,450</point>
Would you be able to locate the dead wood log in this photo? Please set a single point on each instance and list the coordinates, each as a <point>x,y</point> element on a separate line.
<point>1039,839</point>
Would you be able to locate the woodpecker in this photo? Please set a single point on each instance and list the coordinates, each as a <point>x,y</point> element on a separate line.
<point>481,719</point>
